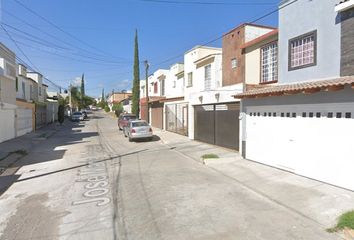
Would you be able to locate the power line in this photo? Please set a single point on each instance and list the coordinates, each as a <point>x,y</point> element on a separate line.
<point>210,3</point>
<point>18,47</point>
<point>59,28</point>
<point>221,36</point>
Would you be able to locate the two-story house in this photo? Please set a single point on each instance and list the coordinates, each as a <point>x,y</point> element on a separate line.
<point>156,92</point>
<point>25,101</point>
<point>7,93</point>
<point>39,92</point>
<point>305,122</point>
<point>176,107</point>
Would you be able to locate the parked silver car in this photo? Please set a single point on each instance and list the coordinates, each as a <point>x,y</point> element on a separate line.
<point>77,116</point>
<point>138,129</point>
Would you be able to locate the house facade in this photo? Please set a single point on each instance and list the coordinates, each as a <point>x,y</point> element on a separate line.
<point>25,101</point>
<point>304,122</point>
<point>7,93</point>
<point>175,105</point>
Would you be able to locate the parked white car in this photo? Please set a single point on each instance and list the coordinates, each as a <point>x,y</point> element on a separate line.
<point>138,129</point>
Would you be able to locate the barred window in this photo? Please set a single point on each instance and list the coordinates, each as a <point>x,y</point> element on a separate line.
<point>269,58</point>
<point>302,51</point>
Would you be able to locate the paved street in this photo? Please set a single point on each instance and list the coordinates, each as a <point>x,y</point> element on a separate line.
<point>89,182</point>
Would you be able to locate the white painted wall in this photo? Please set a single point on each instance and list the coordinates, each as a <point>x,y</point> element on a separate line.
<point>252,32</point>
<point>319,148</point>
<point>23,121</point>
<point>38,79</point>
<point>174,87</point>
<point>7,120</point>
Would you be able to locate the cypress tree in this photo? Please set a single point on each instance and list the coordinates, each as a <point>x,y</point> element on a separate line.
<point>136,79</point>
<point>82,90</point>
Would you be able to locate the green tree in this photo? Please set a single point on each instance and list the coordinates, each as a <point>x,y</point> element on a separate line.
<point>82,90</point>
<point>136,79</point>
<point>106,109</point>
<point>61,114</point>
<point>117,108</point>
<point>102,97</point>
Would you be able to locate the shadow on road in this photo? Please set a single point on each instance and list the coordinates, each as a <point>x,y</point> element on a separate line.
<point>44,149</point>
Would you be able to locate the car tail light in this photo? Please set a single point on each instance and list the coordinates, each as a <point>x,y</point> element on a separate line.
<point>150,130</point>
<point>133,130</point>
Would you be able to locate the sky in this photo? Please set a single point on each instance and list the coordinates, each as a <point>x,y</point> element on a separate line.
<point>63,39</point>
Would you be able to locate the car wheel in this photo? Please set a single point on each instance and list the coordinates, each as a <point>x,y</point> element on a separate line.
<point>149,138</point>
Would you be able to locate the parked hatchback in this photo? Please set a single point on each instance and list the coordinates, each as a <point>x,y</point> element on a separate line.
<point>124,118</point>
<point>138,129</point>
<point>77,116</point>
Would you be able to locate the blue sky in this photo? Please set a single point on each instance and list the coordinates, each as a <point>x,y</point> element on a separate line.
<point>102,34</point>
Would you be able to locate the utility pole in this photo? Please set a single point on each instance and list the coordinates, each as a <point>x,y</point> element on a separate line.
<point>146,89</point>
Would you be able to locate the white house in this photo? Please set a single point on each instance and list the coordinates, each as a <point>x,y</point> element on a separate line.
<point>304,123</point>
<point>175,105</point>
<point>7,93</point>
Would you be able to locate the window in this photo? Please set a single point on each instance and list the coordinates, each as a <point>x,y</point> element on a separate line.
<point>162,87</point>
<point>40,91</point>
<point>348,115</point>
<point>269,61</point>
<point>31,92</point>
<point>207,76</point>
<point>234,63</point>
<point>190,80</point>
<point>23,90</point>
<point>155,87</point>
<point>302,51</point>
<point>174,84</point>
<point>330,115</point>
<point>338,115</point>
<point>304,114</point>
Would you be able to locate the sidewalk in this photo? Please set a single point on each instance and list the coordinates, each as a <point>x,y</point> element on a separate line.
<point>320,202</point>
<point>194,149</point>
<point>14,149</point>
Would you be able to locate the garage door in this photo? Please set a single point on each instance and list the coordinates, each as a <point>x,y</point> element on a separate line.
<point>24,121</point>
<point>157,115</point>
<point>311,140</point>
<point>218,124</point>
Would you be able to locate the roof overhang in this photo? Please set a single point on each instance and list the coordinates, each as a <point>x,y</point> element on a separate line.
<point>206,60</point>
<point>172,99</point>
<point>260,39</point>
<point>344,5</point>
<point>307,87</point>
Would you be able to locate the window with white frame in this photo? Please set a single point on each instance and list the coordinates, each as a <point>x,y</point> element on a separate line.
<point>233,63</point>
<point>269,63</point>
<point>190,80</point>
<point>302,51</point>
<point>207,77</point>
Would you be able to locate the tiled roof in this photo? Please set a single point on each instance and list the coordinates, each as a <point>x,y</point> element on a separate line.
<point>300,87</point>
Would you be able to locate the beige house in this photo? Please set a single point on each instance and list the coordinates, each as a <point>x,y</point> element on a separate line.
<point>7,93</point>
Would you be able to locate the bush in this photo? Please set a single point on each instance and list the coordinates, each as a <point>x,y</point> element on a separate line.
<point>107,109</point>
<point>118,109</point>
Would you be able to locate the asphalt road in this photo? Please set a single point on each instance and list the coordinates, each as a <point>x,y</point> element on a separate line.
<point>89,182</point>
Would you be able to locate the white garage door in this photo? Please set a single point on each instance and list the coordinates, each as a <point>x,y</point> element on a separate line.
<point>311,140</point>
<point>24,121</point>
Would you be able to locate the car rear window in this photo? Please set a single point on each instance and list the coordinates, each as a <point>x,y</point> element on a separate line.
<point>129,117</point>
<point>139,124</point>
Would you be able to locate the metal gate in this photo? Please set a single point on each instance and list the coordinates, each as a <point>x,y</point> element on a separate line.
<point>177,118</point>
<point>218,124</point>
<point>41,115</point>
<point>157,115</point>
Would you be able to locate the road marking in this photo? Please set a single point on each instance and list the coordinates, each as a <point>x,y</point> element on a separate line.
<point>96,178</point>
